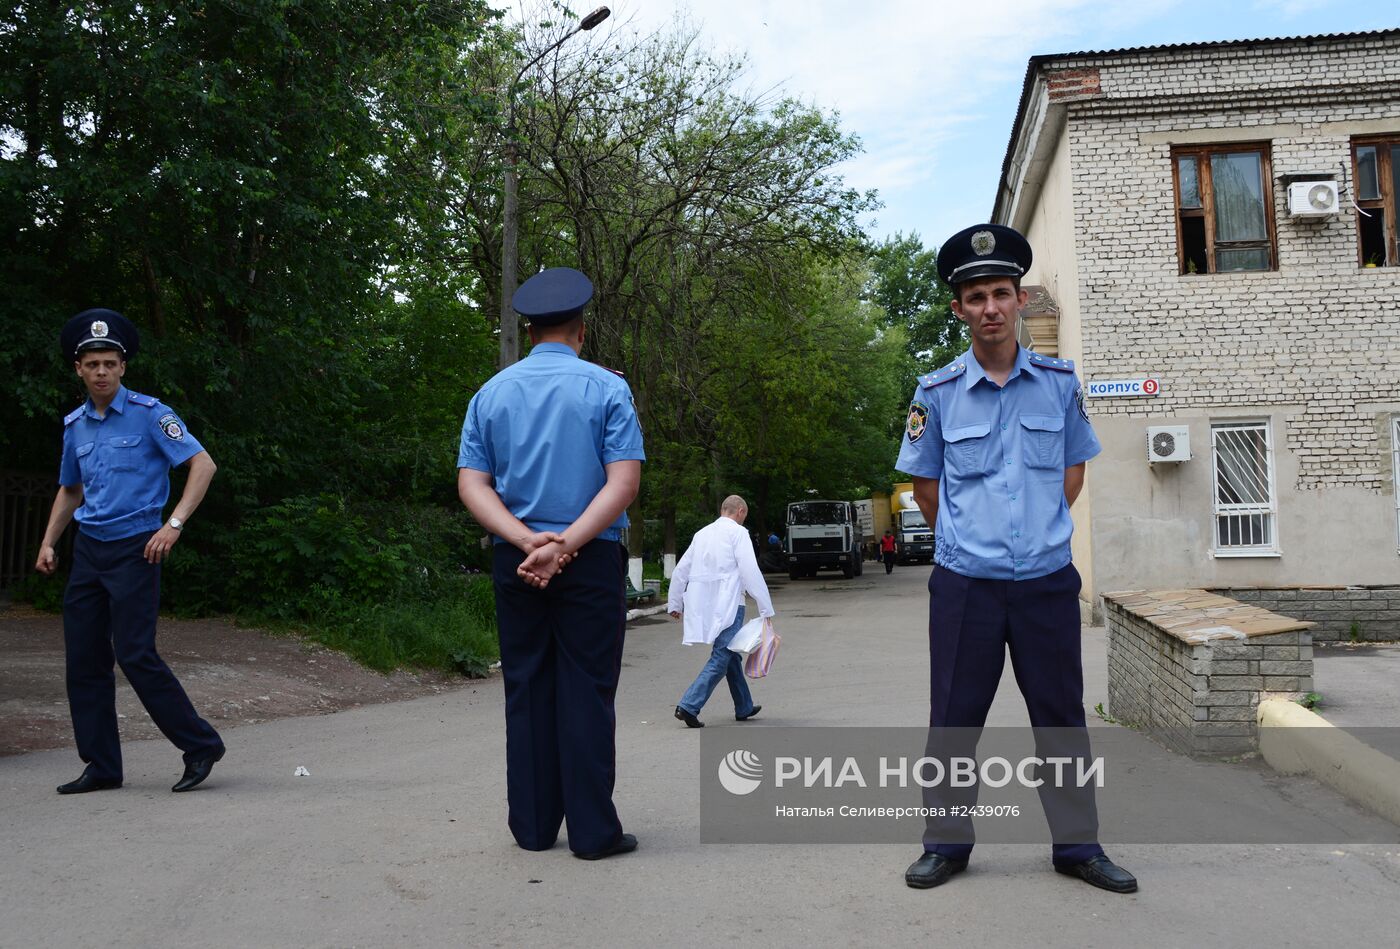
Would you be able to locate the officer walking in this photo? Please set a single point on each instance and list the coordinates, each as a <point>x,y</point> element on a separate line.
<point>996,442</point>
<point>550,458</point>
<point>118,449</point>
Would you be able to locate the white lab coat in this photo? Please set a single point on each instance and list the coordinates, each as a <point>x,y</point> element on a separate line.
<point>709,583</point>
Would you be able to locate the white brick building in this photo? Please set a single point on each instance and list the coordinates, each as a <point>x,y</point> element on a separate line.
<point>1154,186</point>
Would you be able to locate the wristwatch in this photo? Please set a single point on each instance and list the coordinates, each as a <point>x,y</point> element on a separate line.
<point>176,523</point>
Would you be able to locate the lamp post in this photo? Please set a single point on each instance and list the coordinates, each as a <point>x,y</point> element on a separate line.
<point>510,324</point>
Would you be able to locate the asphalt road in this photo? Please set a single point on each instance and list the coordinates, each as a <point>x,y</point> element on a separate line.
<point>397,836</point>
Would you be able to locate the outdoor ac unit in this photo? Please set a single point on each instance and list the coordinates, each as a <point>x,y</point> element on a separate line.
<point>1313,198</point>
<point>1168,443</point>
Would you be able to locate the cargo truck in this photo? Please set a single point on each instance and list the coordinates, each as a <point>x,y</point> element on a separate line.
<point>823,535</point>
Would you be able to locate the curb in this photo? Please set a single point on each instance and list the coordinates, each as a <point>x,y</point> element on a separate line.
<point>645,611</point>
<point>1294,740</point>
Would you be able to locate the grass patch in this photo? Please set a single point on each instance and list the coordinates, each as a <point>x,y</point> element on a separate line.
<point>456,633</point>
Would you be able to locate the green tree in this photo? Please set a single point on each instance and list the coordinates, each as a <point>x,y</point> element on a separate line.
<point>904,282</point>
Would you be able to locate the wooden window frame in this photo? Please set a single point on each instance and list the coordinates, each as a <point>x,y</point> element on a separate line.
<point>1388,200</point>
<point>1204,185</point>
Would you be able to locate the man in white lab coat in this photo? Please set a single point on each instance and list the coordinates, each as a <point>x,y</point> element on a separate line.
<point>707,590</point>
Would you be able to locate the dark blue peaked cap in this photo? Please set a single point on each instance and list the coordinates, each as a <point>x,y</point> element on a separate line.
<point>983,250</point>
<point>99,329</point>
<point>553,296</point>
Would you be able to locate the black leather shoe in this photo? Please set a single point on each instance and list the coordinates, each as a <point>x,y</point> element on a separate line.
<point>197,770</point>
<point>625,844</point>
<point>87,781</point>
<point>745,718</point>
<point>690,720</point>
<point>1103,873</point>
<point>932,869</point>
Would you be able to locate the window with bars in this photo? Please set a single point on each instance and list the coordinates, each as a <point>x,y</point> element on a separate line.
<point>1376,171</point>
<point>1245,505</point>
<point>1224,208</point>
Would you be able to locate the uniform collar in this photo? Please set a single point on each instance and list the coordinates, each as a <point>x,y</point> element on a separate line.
<point>118,404</point>
<point>559,349</point>
<point>975,372</point>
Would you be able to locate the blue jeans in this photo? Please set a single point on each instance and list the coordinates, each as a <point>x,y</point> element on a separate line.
<point>723,664</point>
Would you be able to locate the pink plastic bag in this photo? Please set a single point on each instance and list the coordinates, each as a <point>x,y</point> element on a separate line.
<point>759,661</point>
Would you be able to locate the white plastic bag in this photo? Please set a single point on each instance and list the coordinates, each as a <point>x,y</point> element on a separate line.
<point>748,637</point>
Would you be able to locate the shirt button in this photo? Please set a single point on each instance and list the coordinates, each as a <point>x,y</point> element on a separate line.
<point>1008,462</point>
<point>1016,534</point>
<point>1013,497</point>
<point>1003,427</point>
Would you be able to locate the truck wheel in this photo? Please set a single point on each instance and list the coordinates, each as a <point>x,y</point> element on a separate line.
<point>859,561</point>
<point>847,570</point>
<point>794,573</point>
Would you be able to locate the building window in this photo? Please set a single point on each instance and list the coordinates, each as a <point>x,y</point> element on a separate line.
<point>1224,208</point>
<point>1245,508</point>
<point>1376,171</point>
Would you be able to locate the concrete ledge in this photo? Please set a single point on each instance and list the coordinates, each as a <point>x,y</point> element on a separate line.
<point>1294,740</point>
<point>645,611</point>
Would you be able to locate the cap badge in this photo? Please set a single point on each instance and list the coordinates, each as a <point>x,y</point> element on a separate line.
<point>983,243</point>
<point>99,329</point>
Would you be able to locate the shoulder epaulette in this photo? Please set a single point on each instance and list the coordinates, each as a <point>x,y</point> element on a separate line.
<point>940,376</point>
<point>617,372</point>
<point>139,399</point>
<point>1050,362</point>
<point>73,416</point>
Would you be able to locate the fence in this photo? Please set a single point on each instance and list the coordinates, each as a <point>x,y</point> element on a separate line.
<point>25,499</point>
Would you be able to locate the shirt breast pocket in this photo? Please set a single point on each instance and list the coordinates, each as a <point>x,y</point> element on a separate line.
<point>124,453</point>
<point>87,461</point>
<point>968,450</point>
<point>1043,442</point>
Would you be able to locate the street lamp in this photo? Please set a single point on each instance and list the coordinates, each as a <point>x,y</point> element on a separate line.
<point>510,324</point>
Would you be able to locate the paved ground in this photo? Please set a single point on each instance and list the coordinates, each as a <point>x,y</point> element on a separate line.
<point>398,837</point>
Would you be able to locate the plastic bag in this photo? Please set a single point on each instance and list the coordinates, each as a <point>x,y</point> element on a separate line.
<point>760,661</point>
<point>748,638</point>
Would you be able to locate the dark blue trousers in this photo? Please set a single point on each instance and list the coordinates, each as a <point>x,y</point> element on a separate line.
<point>561,654</point>
<point>972,623</point>
<point>109,615</point>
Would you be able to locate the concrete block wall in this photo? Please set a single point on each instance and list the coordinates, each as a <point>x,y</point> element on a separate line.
<point>1199,698</point>
<point>1375,611</point>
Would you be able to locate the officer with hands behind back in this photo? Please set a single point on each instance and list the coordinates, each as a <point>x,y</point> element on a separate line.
<point>118,449</point>
<point>550,458</point>
<point>997,443</point>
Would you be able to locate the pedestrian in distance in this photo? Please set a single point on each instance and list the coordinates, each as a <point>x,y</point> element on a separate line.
<point>997,442</point>
<point>707,595</point>
<point>114,479</point>
<point>887,551</point>
<point>550,458</point>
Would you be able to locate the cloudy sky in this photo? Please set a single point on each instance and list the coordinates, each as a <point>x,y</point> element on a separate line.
<point>931,86</point>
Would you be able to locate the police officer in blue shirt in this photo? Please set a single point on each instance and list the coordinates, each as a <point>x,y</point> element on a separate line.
<point>118,449</point>
<point>996,442</point>
<point>550,458</point>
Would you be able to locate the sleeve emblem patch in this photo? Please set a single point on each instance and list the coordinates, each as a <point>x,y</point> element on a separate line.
<point>170,425</point>
<point>917,421</point>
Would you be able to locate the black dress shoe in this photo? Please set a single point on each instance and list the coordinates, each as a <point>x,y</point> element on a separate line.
<point>932,869</point>
<point>1103,873</point>
<point>197,770</point>
<point>745,718</point>
<point>87,781</point>
<point>690,720</point>
<point>625,844</point>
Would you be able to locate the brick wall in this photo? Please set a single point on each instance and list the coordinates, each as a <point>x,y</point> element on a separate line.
<point>1375,611</point>
<point>1321,332</point>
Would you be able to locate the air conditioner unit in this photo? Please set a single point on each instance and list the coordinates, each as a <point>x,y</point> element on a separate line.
<point>1168,443</point>
<point>1313,198</point>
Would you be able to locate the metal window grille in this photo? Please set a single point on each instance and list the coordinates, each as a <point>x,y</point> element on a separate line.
<point>1245,502</point>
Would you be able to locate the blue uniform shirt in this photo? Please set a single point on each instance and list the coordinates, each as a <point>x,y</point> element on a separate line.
<point>999,454</point>
<point>123,462</point>
<point>544,428</point>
